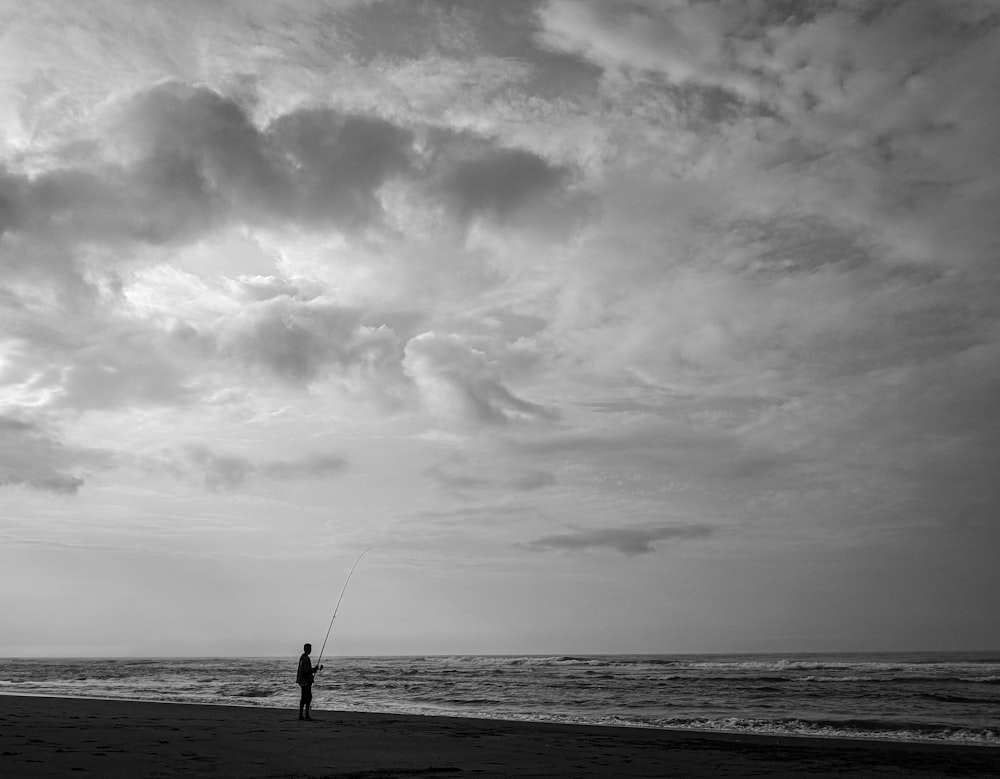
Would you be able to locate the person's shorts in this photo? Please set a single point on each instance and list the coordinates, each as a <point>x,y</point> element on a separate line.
<point>307,693</point>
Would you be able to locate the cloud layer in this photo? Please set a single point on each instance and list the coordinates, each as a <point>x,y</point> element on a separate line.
<point>450,277</point>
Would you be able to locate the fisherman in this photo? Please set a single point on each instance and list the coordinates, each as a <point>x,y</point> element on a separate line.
<point>304,678</point>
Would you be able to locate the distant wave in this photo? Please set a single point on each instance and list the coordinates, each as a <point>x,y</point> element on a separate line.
<point>254,693</point>
<point>856,728</point>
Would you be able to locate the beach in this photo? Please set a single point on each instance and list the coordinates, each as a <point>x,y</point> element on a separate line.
<point>51,736</point>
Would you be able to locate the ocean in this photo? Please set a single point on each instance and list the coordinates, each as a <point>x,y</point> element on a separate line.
<point>944,697</point>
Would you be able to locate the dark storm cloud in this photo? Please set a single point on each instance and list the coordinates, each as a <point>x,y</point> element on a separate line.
<point>34,457</point>
<point>221,471</point>
<point>628,541</point>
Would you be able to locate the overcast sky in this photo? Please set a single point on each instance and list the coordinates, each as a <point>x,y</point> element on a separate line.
<point>611,326</point>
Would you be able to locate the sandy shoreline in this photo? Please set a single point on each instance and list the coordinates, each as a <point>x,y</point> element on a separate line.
<point>74,736</point>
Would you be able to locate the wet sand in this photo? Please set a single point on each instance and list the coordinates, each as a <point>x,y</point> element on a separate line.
<point>77,737</point>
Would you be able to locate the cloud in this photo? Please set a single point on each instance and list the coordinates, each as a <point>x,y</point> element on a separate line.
<point>180,161</point>
<point>311,466</point>
<point>686,42</point>
<point>533,480</point>
<point>125,366</point>
<point>190,148</point>
<point>628,541</point>
<point>175,164</point>
<point>32,456</point>
<point>680,280</point>
<point>187,159</point>
<point>219,471</point>
<point>339,162</point>
<point>453,480</point>
<point>459,477</point>
<point>222,471</point>
<point>298,340</point>
<point>672,442</point>
<point>496,183</point>
<point>460,379</point>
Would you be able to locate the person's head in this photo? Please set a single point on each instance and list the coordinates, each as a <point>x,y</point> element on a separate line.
<point>307,648</point>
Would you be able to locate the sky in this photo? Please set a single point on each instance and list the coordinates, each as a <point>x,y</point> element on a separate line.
<point>609,326</point>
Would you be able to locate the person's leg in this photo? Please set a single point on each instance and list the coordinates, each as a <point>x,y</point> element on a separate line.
<point>302,700</point>
<point>308,694</point>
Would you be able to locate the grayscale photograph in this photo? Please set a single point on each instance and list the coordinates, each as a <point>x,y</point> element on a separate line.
<point>499,388</point>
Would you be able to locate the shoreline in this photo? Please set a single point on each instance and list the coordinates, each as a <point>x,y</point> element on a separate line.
<point>681,731</point>
<point>748,734</point>
<point>53,736</point>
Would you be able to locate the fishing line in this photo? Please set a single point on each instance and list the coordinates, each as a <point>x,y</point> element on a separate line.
<point>337,607</point>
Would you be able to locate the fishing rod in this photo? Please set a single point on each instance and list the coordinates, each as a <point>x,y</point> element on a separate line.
<point>337,607</point>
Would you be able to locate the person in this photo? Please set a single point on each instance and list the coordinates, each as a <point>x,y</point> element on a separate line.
<point>304,678</point>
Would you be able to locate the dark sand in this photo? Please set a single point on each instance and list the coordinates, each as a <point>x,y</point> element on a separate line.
<point>76,737</point>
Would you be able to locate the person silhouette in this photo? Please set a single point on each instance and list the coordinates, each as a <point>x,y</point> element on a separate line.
<point>304,678</point>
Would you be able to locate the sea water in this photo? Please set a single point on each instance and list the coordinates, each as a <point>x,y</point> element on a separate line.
<point>949,697</point>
